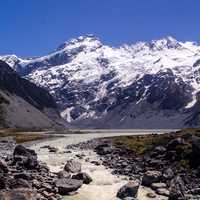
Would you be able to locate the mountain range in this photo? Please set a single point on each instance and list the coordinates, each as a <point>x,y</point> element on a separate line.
<point>25,105</point>
<point>144,85</point>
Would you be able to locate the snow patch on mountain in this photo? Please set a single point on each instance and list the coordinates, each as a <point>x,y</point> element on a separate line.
<point>89,79</point>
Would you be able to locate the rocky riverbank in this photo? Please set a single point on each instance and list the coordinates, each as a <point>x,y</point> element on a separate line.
<point>23,177</point>
<point>169,164</point>
<point>143,167</point>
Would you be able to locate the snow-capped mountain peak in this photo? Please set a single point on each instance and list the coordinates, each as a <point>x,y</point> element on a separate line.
<point>90,80</point>
<point>11,59</point>
<point>87,41</point>
<point>167,42</point>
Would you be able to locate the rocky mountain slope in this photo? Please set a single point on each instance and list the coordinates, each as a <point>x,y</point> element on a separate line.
<point>23,104</point>
<point>146,85</point>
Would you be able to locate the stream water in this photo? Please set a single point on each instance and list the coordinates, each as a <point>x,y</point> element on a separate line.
<point>104,185</point>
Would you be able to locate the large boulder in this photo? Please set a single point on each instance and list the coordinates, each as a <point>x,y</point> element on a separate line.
<point>175,142</point>
<point>3,166</point>
<point>150,177</point>
<point>104,149</point>
<point>129,190</point>
<point>22,194</point>
<point>72,166</point>
<point>177,189</point>
<point>83,176</point>
<point>22,151</point>
<point>65,185</point>
<point>168,174</point>
<point>63,174</point>
<point>158,150</point>
<point>25,157</point>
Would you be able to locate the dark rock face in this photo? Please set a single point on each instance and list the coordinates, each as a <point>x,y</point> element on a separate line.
<point>25,157</point>
<point>194,117</point>
<point>151,177</point>
<point>83,176</point>
<point>35,102</point>
<point>22,151</point>
<point>65,185</point>
<point>172,95</point>
<point>129,190</point>
<point>72,166</point>
<point>13,83</point>
<point>103,149</point>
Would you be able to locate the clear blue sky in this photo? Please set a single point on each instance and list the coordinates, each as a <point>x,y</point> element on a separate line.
<point>35,27</point>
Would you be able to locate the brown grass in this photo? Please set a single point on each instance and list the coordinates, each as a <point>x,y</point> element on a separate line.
<point>140,144</point>
<point>144,143</point>
<point>22,137</point>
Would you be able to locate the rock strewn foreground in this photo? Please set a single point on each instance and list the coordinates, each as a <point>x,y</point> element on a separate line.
<point>23,177</point>
<point>170,169</point>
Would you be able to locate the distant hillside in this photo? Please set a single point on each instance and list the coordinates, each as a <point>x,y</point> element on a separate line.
<point>23,104</point>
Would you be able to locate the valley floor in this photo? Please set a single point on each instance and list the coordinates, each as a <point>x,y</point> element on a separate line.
<point>105,185</point>
<point>160,166</point>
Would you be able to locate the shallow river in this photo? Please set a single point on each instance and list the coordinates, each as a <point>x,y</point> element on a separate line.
<point>104,185</point>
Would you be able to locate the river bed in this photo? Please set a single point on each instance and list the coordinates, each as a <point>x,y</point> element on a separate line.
<point>104,185</point>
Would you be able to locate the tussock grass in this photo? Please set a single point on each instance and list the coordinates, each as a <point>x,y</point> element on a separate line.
<point>142,144</point>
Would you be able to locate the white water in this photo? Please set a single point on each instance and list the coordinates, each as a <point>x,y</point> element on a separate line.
<point>104,185</point>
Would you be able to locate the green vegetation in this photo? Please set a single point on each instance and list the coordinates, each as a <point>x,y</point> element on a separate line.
<point>142,144</point>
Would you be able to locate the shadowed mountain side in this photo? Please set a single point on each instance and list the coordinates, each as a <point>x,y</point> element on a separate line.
<point>23,104</point>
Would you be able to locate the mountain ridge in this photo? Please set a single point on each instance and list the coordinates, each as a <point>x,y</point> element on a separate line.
<point>23,104</point>
<point>91,81</point>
